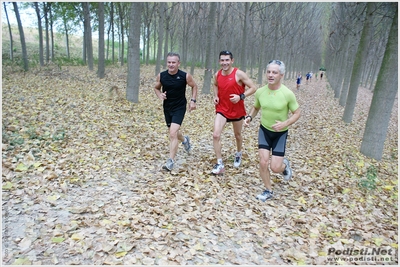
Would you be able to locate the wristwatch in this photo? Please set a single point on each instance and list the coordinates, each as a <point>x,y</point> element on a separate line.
<point>194,100</point>
<point>242,96</point>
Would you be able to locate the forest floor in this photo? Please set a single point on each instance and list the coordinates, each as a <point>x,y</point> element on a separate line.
<point>82,180</point>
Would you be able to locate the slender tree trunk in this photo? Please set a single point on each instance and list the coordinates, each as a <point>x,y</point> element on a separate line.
<point>66,37</point>
<point>46,23</point>
<point>101,67</point>
<point>210,31</point>
<point>22,38</point>
<point>243,56</point>
<point>121,27</point>
<point>161,12</point>
<point>361,57</point>
<point>84,50</point>
<point>10,33</point>
<point>88,35</point>
<point>40,30</point>
<point>112,33</point>
<point>51,31</point>
<point>133,81</point>
<point>383,99</point>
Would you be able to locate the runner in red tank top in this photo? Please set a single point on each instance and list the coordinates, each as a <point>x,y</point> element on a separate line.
<point>227,85</point>
<point>229,94</point>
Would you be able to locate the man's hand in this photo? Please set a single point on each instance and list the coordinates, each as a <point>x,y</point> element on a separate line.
<point>163,95</point>
<point>278,126</point>
<point>192,106</point>
<point>234,98</point>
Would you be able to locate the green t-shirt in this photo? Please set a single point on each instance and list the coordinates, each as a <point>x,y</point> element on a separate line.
<point>275,105</point>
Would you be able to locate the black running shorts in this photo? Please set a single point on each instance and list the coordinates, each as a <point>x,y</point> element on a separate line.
<point>275,140</point>
<point>174,116</point>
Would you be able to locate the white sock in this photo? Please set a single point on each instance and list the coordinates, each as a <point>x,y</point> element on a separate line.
<point>219,161</point>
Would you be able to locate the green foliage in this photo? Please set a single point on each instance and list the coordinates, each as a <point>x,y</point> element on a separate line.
<point>72,61</point>
<point>13,139</point>
<point>369,182</point>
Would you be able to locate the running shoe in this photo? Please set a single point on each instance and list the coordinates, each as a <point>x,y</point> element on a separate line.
<point>265,195</point>
<point>238,159</point>
<point>287,173</point>
<point>169,165</point>
<point>186,144</point>
<point>218,169</point>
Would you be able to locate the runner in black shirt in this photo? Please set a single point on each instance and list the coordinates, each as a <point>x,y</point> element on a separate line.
<point>171,89</point>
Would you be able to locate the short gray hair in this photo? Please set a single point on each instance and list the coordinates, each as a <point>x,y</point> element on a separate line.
<point>173,54</point>
<point>279,63</point>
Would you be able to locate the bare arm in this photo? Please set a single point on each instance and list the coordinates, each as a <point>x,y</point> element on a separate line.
<point>190,81</point>
<point>157,89</point>
<point>251,115</point>
<point>242,77</point>
<point>279,125</point>
<point>215,87</point>
<point>248,82</point>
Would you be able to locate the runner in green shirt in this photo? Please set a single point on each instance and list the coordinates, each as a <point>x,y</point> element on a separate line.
<point>275,101</point>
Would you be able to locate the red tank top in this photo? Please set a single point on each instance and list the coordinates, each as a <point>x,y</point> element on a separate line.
<point>227,85</point>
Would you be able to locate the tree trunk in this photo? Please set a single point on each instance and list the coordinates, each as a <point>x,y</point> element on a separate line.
<point>121,28</point>
<point>22,37</point>
<point>210,31</point>
<point>244,46</point>
<point>51,31</point>
<point>88,34</point>
<point>66,38</point>
<point>161,12</point>
<point>361,57</point>
<point>383,98</point>
<point>10,33</point>
<point>46,25</point>
<point>349,63</point>
<point>101,67</point>
<point>133,80</point>
<point>40,30</point>
<point>112,33</point>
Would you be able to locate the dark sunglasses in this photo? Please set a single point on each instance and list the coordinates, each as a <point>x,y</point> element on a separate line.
<point>276,61</point>
<point>226,52</point>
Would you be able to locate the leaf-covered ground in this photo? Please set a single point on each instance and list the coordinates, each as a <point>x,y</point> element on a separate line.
<point>82,183</point>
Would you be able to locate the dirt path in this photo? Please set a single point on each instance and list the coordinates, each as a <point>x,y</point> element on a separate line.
<point>100,197</point>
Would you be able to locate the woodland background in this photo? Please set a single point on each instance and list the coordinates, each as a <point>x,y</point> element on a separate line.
<point>81,164</point>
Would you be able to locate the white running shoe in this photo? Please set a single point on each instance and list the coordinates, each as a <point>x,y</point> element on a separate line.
<point>238,159</point>
<point>265,195</point>
<point>287,173</point>
<point>169,165</point>
<point>218,169</point>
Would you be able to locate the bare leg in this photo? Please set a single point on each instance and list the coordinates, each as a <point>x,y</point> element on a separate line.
<point>219,124</point>
<point>174,136</point>
<point>277,165</point>
<point>237,130</point>
<point>264,170</point>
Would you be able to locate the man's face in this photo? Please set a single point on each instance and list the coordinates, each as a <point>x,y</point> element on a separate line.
<point>273,74</point>
<point>225,61</point>
<point>173,64</point>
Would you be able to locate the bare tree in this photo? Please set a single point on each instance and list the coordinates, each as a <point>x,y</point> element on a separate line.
<point>22,38</point>
<point>88,34</point>
<point>246,20</point>
<point>101,67</point>
<point>133,80</point>
<point>10,33</point>
<point>384,96</point>
<point>210,37</point>
<point>361,56</point>
<point>40,30</point>
<point>161,29</point>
